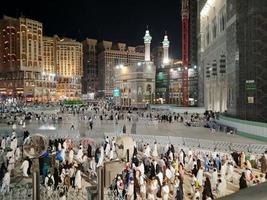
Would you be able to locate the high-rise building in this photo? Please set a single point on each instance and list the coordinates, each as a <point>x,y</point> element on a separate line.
<point>233,57</point>
<point>109,56</point>
<point>49,67</point>
<point>63,63</point>
<point>21,58</point>
<point>90,69</point>
<point>69,65</point>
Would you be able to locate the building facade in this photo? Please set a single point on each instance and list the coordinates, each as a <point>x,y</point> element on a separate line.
<point>69,66</point>
<point>108,57</point>
<point>49,68</point>
<point>169,84</point>
<point>90,69</point>
<point>21,58</point>
<point>233,57</point>
<point>213,49</point>
<point>136,85</point>
<point>201,70</point>
<point>168,80</point>
<point>136,82</point>
<point>37,68</point>
<point>63,66</point>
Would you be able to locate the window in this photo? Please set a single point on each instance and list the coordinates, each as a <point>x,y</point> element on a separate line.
<point>222,19</point>
<point>207,35</point>
<point>214,28</point>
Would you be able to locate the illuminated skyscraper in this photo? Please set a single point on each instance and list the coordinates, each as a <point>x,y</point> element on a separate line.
<point>63,64</point>
<point>21,58</point>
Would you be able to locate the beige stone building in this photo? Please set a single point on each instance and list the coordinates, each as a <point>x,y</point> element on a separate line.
<point>37,68</point>
<point>213,54</point>
<point>136,82</point>
<point>69,68</point>
<point>49,68</point>
<point>21,59</point>
<point>113,54</point>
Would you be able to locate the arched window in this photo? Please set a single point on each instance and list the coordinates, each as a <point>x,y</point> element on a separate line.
<point>148,88</point>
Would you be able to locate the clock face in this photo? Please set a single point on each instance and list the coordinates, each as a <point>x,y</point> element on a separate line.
<point>35,146</point>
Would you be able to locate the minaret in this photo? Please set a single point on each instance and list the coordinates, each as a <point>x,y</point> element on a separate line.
<point>165,45</point>
<point>147,41</point>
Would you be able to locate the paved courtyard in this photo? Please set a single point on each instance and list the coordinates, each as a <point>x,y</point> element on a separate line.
<point>100,128</point>
<point>144,127</point>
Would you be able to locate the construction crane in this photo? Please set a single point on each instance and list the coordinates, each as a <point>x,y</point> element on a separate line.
<point>185,53</point>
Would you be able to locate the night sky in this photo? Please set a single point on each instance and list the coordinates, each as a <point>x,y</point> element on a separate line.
<point>117,20</point>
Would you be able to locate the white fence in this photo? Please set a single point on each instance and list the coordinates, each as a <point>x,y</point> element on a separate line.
<point>173,108</point>
<point>195,143</point>
<point>243,126</point>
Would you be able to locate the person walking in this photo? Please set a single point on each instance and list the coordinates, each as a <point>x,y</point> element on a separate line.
<point>78,179</point>
<point>242,181</point>
<point>24,167</point>
<point>207,192</point>
<point>5,182</point>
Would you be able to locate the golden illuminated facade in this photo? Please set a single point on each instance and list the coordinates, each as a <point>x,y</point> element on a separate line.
<point>62,70</point>
<point>49,67</point>
<point>21,58</point>
<point>69,68</point>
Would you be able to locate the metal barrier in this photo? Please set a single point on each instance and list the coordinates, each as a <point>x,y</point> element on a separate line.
<point>244,126</point>
<point>196,143</point>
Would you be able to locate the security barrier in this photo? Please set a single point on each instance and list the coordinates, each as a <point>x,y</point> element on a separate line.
<point>250,129</point>
<point>196,143</point>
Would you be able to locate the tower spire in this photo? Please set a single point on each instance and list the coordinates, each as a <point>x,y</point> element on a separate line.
<point>165,45</point>
<point>147,42</point>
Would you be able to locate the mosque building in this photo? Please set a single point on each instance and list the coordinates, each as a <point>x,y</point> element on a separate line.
<point>135,85</point>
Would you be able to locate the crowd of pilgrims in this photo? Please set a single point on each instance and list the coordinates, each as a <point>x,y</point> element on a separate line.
<point>151,175</point>
<point>61,165</point>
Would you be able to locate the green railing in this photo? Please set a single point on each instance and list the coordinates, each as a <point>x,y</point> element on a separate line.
<point>250,129</point>
<point>252,123</point>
